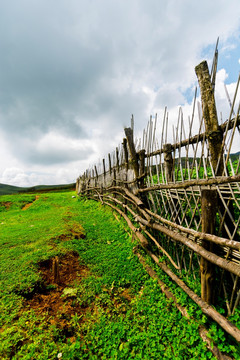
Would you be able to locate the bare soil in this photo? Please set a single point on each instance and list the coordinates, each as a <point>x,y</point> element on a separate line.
<point>25,207</point>
<point>50,301</point>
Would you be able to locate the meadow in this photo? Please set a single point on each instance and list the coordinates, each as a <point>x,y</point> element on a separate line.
<point>72,288</point>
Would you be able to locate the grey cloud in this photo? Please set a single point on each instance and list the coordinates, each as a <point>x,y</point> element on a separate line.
<point>79,67</point>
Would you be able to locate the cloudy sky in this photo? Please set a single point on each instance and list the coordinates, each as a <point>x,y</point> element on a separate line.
<point>72,72</point>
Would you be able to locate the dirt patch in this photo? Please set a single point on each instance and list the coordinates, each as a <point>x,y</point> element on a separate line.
<point>58,298</point>
<point>25,207</point>
<point>7,204</point>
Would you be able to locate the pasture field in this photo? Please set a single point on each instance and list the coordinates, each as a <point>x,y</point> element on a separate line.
<point>72,288</point>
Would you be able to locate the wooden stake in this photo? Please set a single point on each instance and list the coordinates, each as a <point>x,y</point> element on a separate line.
<point>129,136</point>
<point>213,131</point>
<point>55,270</point>
<point>209,206</point>
<point>168,162</point>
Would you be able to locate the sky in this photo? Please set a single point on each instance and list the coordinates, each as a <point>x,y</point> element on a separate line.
<point>72,73</point>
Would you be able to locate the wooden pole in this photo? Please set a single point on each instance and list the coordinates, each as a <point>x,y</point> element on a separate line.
<point>134,159</point>
<point>125,153</point>
<point>109,161</point>
<point>104,168</point>
<point>168,162</point>
<point>209,207</point>
<point>213,131</point>
<point>117,158</point>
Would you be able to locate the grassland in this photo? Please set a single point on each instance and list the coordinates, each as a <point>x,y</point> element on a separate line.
<point>103,305</point>
<point>10,189</point>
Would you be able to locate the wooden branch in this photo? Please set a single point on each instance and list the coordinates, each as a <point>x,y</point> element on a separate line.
<point>213,258</point>
<point>163,287</point>
<point>197,234</point>
<point>132,196</point>
<point>190,183</point>
<point>141,237</point>
<point>159,247</point>
<point>197,138</point>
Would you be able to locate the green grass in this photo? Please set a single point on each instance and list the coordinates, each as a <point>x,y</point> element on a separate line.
<point>141,325</point>
<point>10,189</point>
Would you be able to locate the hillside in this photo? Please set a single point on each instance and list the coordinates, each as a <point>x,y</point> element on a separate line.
<point>10,189</point>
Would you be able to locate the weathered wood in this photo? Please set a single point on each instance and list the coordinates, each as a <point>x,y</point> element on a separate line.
<point>96,172</point>
<point>213,258</point>
<point>117,158</point>
<point>190,183</point>
<point>168,162</point>
<point>197,234</point>
<point>134,159</point>
<point>209,208</point>
<point>227,125</point>
<point>213,131</point>
<point>163,287</point>
<point>125,153</point>
<point>110,164</point>
<point>104,168</point>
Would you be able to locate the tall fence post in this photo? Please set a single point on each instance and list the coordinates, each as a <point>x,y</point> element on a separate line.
<point>213,131</point>
<point>215,137</point>
<point>209,209</point>
<point>117,158</point>
<point>110,166</point>
<point>125,153</point>
<point>134,159</point>
<point>168,162</point>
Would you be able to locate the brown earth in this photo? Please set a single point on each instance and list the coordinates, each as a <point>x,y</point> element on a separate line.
<point>7,204</point>
<point>25,207</point>
<point>50,301</point>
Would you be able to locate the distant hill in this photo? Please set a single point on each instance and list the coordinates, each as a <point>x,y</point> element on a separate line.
<point>10,189</point>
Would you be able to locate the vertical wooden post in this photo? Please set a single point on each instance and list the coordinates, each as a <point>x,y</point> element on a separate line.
<point>125,153</point>
<point>104,168</point>
<point>213,132</point>
<point>214,135</point>
<point>134,159</point>
<point>96,176</point>
<point>209,209</point>
<point>168,162</point>
<point>141,167</point>
<point>117,158</point>
<point>110,166</point>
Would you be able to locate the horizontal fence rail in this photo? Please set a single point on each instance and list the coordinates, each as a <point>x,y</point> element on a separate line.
<point>181,200</point>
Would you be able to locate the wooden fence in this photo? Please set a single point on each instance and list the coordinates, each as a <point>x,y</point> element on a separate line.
<point>181,200</point>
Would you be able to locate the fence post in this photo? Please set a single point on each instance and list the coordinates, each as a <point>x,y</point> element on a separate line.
<point>213,131</point>
<point>110,166</point>
<point>168,162</point>
<point>215,137</point>
<point>104,168</point>
<point>129,136</point>
<point>125,153</point>
<point>117,158</point>
<point>209,209</point>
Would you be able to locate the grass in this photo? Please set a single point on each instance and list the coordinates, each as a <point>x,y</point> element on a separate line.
<point>117,311</point>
